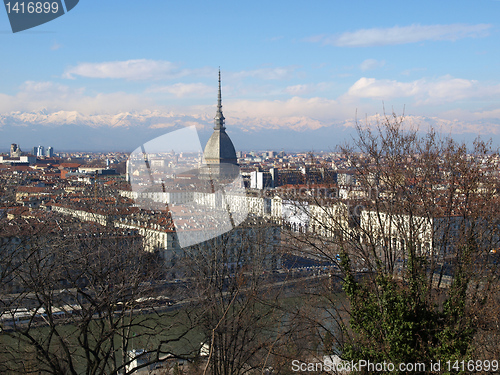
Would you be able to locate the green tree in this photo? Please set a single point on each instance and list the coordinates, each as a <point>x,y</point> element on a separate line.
<point>412,249</point>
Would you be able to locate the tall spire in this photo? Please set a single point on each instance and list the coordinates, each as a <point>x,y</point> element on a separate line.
<point>219,117</point>
<point>219,101</point>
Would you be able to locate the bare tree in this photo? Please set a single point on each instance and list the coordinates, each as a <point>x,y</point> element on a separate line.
<point>238,300</point>
<point>87,301</point>
<point>411,247</point>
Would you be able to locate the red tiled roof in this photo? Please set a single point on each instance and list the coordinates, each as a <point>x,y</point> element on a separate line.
<point>32,189</point>
<point>69,165</point>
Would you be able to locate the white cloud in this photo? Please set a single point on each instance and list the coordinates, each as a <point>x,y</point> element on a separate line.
<point>298,89</point>
<point>477,118</point>
<point>403,35</point>
<point>318,110</point>
<point>304,89</point>
<point>445,89</point>
<point>294,113</point>
<point>51,96</point>
<point>63,103</point>
<point>275,38</point>
<point>382,89</point>
<point>371,64</point>
<point>144,69</point>
<point>140,69</point>
<point>315,38</point>
<point>55,46</point>
<point>446,123</point>
<point>182,90</point>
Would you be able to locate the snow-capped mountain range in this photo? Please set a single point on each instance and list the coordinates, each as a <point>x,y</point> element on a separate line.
<point>123,131</point>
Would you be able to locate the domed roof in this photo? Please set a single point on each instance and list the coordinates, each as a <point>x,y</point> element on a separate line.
<point>219,149</point>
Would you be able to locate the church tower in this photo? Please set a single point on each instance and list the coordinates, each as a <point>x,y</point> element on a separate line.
<point>219,151</point>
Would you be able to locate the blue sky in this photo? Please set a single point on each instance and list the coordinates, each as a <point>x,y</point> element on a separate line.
<point>287,66</point>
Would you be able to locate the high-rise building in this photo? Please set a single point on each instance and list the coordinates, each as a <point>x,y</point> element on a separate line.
<point>40,151</point>
<point>50,152</point>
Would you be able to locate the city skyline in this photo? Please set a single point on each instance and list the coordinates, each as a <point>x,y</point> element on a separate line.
<point>293,77</point>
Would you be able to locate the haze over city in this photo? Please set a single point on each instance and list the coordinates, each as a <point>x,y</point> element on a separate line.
<point>295,76</point>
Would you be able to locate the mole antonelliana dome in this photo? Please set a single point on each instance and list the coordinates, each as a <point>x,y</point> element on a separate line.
<point>219,148</point>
